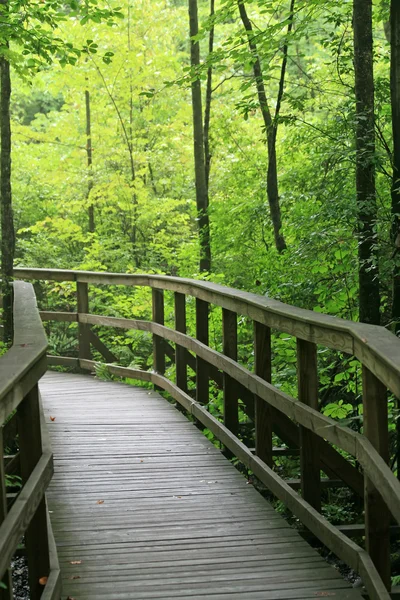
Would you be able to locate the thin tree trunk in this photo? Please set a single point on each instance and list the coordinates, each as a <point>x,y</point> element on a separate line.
<point>369,301</point>
<point>207,110</point>
<point>270,123</point>
<point>198,138</point>
<point>395,100</point>
<point>89,160</point>
<point>7,221</point>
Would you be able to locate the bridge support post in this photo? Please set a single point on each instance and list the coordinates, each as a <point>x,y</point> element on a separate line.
<point>5,594</point>
<point>82,292</point>
<point>180,355</point>
<point>307,378</point>
<point>36,536</point>
<point>158,342</point>
<point>202,375</point>
<point>377,515</point>
<point>231,408</point>
<point>263,412</point>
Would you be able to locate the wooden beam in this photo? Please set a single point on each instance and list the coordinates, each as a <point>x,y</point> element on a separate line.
<point>180,325</point>
<point>158,342</point>
<point>202,370</point>
<point>229,343</point>
<point>307,378</point>
<point>263,412</point>
<point>377,515</point>
<point>83,328</point>
<point>5,577</point>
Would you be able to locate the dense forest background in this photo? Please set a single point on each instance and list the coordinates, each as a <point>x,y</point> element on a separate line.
<point>131,206</point>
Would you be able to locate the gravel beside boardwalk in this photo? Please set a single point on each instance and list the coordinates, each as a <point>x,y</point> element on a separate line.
<point>144,506</point>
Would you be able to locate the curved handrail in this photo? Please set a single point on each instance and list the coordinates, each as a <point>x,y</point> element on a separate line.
<point>375,347</point>
<point>20,370</point>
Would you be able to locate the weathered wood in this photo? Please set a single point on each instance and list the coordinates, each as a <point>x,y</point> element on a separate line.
<point>229,345</point>
<point>307,378</point>
<point>62,361</point>
<point>202,370</point>
<point>5,594</point>
<point>47,315</point>
<point>377,515</point>
<point>263,412</point>
<point>10,430</point>
<point>36,535</point>
<point>12,465</point>
<point>374,346</point>
<point>181,523</point>
<point>158,342</point>
<point>180,325</point>
<point>100,347</point>
<point>82,293</point>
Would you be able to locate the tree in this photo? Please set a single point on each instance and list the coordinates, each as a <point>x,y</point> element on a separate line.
<point>198,141</point>
<point>369,298</point>
<point>395,191</point>
<point>270,121</point>
<point>7,222</point>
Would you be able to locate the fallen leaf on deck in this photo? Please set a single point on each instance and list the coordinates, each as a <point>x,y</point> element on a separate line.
<point>70,598</point>
<point>52,418</point>
<point>43,580</point>
<point>75,562</point>
<point>100,501</point>
<point>75,577</point>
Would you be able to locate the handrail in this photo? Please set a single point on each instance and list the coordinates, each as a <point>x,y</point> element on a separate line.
<point>20,370</point>
<point>374,346</point>
<point>297,422</point>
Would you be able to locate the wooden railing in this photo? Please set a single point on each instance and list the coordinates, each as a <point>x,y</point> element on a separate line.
<point>297,422</point>
<point>20,370</point>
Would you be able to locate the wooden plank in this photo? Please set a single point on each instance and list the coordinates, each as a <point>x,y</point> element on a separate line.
<point>202,370</point>
<point>82,293</point>
<point>100,347</point>
<point>307,379</point>
<point>36,535</point>
<point>179,521</point>
<point>263,412</point>
<point>180,325</point>
<point>229,344</point>
<point>377,515</point>
<point>47,315</point>
<point>158,342</point>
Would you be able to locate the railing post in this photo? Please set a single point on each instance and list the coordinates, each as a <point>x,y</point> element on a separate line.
<point>229,335</point>
<point>310,460</point>
<point>180,352</point>
<point>36,536</point>
<point>83,328</point>
<point>377,515</point>
<point>202,376</point>
<point>5,594</point>
<point>263,412</point>
<point>158,342</point>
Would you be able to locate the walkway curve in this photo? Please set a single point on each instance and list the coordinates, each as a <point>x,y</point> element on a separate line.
<point>144,506</point>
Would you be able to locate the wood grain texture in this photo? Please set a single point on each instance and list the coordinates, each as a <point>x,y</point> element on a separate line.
<point>229,347</point>
<point>144,506</point>
<point>263,412</point>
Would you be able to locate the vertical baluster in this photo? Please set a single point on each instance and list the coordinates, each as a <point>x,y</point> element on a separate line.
<point>158,342</point>
<point>307,379</point>
<point>377,516</point>
<point>263,412</point>
<point>229,334</point>
<point>201,365</point>
<point>7,593</point>
<point>36,537</point>
<point>83,329</point>
<point>180,354</point>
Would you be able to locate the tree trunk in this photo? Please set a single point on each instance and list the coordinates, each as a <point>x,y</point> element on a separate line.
<point>89,160</point>
<point>395,100</point>
<point>7,221</point>
<point>207,110</point>
<point>271,126</point>
<point>369,301</point>
<point>198,137</point>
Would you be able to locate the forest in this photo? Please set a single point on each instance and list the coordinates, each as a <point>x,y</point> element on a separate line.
<point>250,143</point>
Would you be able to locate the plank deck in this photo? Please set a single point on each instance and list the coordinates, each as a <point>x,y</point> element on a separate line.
<point>144,506</point>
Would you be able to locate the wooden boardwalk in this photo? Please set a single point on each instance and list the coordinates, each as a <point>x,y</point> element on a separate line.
<point>144,506</point>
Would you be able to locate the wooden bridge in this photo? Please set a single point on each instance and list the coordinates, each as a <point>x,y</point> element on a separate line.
<point>141,504</point>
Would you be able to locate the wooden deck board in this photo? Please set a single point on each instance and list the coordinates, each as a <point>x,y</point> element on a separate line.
<point>144,506</point>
